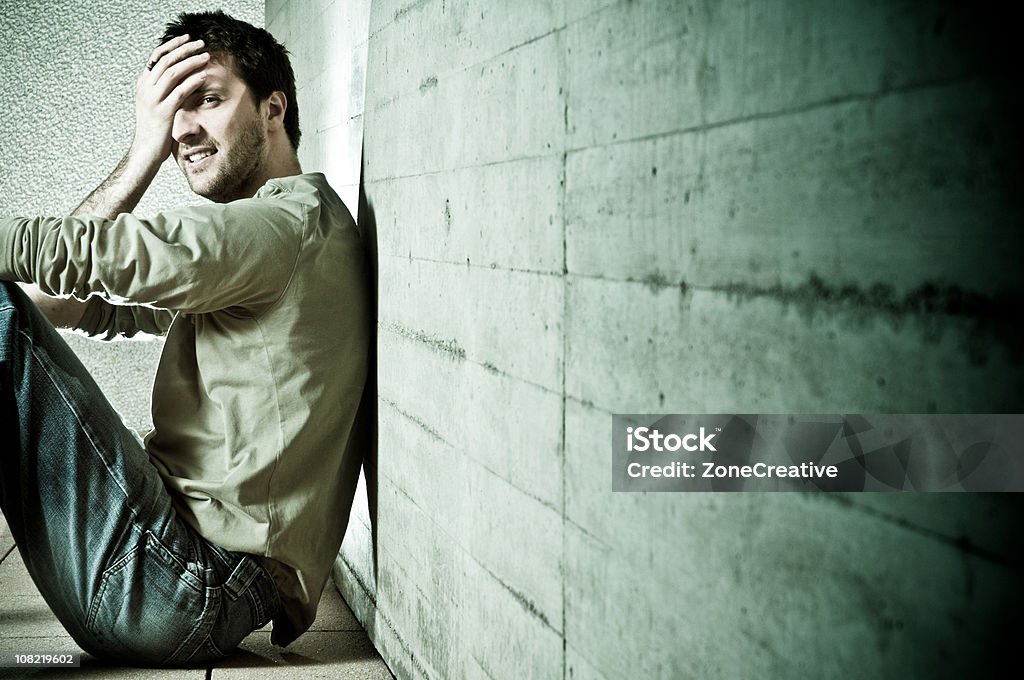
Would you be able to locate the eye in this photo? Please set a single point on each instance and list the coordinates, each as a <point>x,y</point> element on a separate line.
<point>209,99</point>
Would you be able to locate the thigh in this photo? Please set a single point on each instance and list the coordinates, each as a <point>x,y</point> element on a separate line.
<point>76,486</point>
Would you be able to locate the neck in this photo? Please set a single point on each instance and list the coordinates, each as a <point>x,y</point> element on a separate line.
<point>284,163</point>
<point>279,160</point>
<point>277,165</point>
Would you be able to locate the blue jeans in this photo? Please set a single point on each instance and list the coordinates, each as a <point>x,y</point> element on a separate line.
<point>125,575</point>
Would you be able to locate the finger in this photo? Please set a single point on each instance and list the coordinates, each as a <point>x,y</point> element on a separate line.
<point>172,57</point>
<point>165,48</point>
<point>185,89</point>
<point>171,76</point>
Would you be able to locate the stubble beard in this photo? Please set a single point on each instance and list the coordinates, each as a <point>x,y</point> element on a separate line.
<point>238,168</point>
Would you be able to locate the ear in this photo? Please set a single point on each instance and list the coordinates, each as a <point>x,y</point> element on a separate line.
<point>277,104</point>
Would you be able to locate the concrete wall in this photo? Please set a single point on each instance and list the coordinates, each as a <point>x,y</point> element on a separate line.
<point>326,41</point>
<point>67,82</point>
<point>607,206</point>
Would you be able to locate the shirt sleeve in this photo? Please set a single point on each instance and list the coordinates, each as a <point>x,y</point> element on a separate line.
<point>197,260</point>
<point>103,318</point>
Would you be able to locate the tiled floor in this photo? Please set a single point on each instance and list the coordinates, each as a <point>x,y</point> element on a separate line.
<point>335,647</point>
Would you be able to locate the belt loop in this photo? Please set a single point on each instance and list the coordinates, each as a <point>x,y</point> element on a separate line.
<point>242,576</point>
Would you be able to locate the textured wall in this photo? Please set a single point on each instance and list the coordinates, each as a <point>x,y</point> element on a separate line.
<point>326,40</point>
<point>586,208</point>
<point>67,82</point>
<point>613,206</point>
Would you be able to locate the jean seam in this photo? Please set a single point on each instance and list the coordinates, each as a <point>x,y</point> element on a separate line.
<point>212,603</point>
<point>158,547</point>
<point>202,632</point>
<point>257,603</point>
<point>275,593</point>
<point>43,363</point>
<point>213,649</point>
<point>8,307</point>
<point>113,568</point>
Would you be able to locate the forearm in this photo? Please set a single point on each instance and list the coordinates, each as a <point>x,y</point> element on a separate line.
<point>61,312</point>
<point>121,191</point>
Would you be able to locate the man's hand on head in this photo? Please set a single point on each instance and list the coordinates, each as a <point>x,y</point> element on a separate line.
<point>174,72</point>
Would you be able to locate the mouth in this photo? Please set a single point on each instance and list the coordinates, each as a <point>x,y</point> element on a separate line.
<point>197,158</point>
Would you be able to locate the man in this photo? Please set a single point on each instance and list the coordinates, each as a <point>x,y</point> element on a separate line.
<point>230,513</point>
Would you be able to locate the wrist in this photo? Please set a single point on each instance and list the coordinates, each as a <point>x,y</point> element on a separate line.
<point>144,159</point>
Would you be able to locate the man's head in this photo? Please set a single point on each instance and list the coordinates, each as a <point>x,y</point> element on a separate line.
<point>255,56</point>
<point>241,126</point>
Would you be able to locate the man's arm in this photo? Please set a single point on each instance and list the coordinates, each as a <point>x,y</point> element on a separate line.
<point>176,73</point>
<point>122,190</point>
<point>61,312</point>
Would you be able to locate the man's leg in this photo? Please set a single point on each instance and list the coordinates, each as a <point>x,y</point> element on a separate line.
<point>92,519</point>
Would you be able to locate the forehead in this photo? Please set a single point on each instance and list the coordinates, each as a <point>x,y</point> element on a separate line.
<point>221,71</point>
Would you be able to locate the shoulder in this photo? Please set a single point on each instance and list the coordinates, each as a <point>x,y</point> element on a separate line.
<point>289,204</point>
<point>313,191</point>
<point>306,188</point>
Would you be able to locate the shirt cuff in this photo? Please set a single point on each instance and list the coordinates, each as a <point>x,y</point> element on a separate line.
<point>8,249</point>
<point>96,317</point>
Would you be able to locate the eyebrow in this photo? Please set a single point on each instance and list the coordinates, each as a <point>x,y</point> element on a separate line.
<point>210,88</point>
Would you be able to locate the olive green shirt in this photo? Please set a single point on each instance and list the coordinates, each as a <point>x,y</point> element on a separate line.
<point>265,306</point>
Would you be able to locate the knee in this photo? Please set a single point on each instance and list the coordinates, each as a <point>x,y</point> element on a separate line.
<point>8,318</point>
<point>11,296</point>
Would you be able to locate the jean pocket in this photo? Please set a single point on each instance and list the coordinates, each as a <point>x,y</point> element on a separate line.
<point>150,608</point>
<point>246,602</point>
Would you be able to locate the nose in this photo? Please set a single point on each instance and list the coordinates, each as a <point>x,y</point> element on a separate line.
<point>185,126</point>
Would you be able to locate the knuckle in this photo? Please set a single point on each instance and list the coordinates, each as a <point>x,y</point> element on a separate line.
<point>176,72</point>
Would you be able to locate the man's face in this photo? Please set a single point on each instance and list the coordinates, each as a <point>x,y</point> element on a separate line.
<point>220,142</point>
